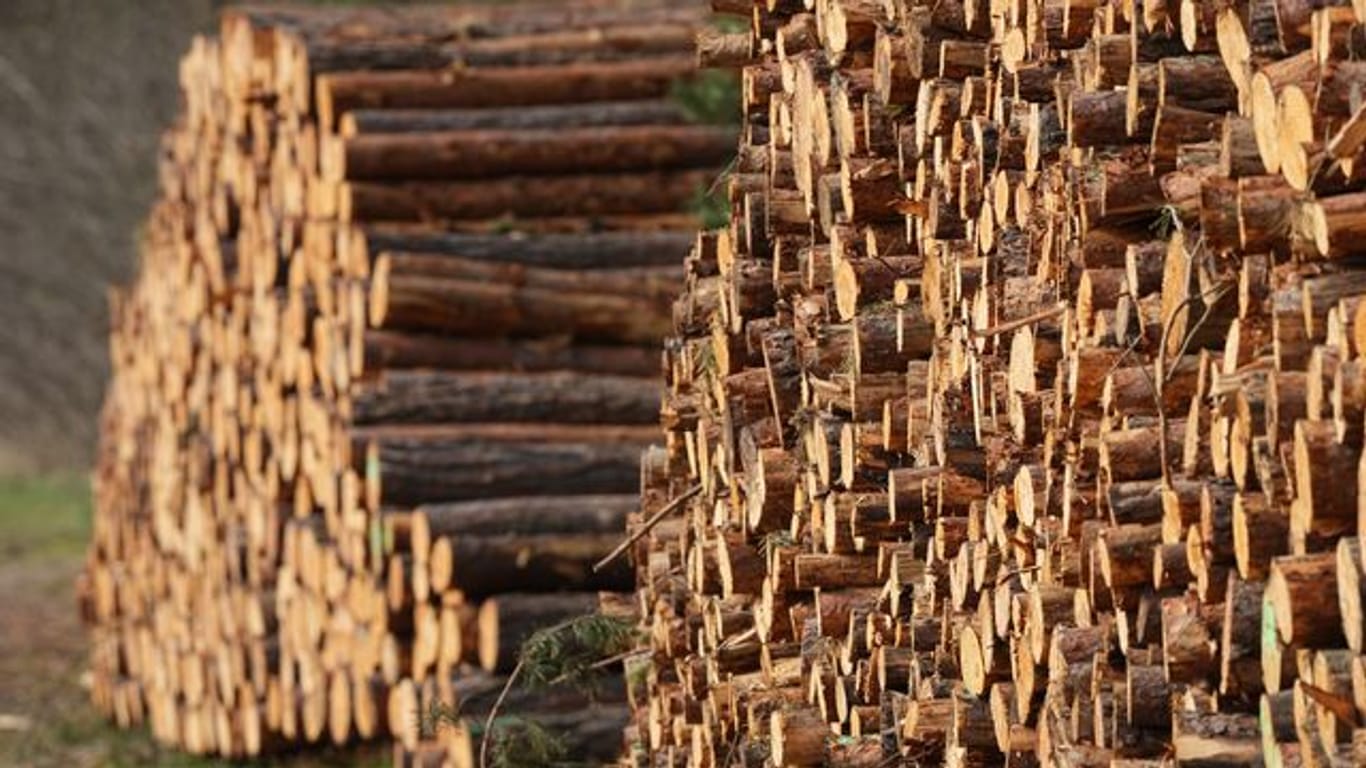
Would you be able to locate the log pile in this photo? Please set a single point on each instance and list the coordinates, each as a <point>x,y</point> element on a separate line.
<point>1025,395</point>
<point>382,381</point>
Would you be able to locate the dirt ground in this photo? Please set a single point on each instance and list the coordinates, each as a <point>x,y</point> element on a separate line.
<point>40,661</point>
<point>45,718</point>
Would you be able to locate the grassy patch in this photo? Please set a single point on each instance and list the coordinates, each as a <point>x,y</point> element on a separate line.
<point>44,516</point>
<point>80,738</point>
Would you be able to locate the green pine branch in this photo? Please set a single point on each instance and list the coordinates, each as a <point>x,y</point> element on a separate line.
<point>711,97</point>
<point>572,653</point>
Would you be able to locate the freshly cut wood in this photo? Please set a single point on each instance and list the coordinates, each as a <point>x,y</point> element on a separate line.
<point>1215,738</point>
<point>1024,367</point>
<point>1297,592</point>
<point>380,384</point>
<point>1011,415</point>
<point>1336,224</point>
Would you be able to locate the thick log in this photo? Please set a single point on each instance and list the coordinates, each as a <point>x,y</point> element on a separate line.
<point>339,93</point>
<point>392,351</point>
<point>489,565</point>
<point>520,516</point>
<point>1302,593</point>
<point>416,465</point>
<point>476,154</point>
<point>426,397</point>
<point>1216,739</point>
<point>463,306</point>
<point>520,197</point>
<point>584,251</point>
<point>604,114</point>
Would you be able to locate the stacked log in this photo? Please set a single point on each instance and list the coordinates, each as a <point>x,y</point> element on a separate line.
<point>1023,392</point>
<point>382,381</point>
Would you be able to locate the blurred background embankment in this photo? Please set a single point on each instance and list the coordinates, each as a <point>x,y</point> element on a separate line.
<point>86,87</point>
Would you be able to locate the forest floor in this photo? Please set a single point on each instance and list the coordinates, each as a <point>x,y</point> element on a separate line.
<point>45,717</point>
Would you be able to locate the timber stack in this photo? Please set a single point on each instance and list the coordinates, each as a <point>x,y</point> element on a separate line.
<point>1019,409</point>
<point>382,381</point>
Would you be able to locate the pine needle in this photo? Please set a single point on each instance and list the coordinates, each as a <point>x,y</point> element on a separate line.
<point>712,97</point>
<point>522,743</point>
<point>571,653</point>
